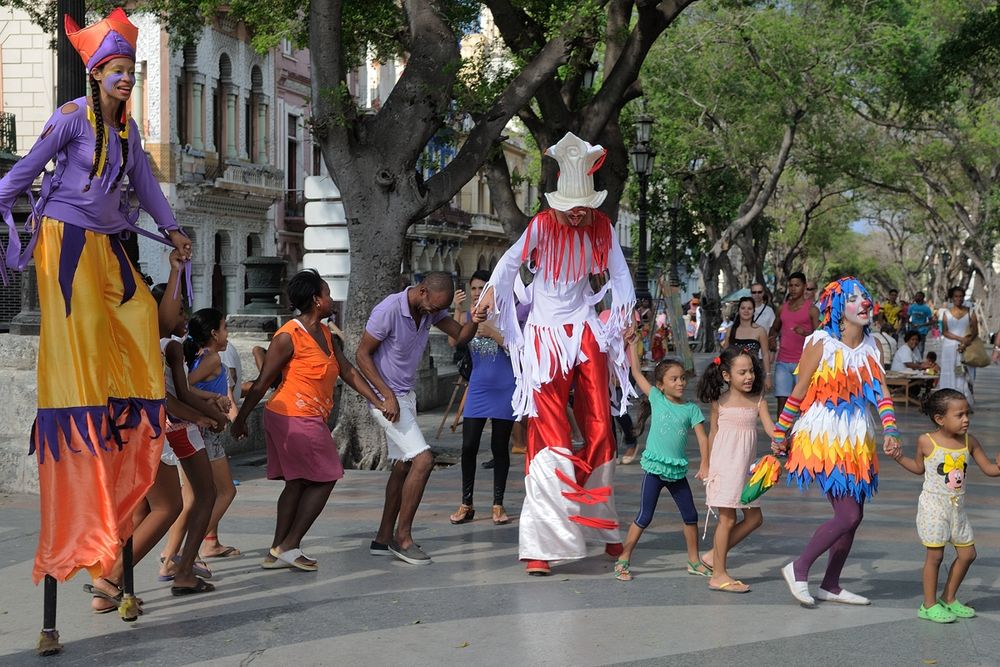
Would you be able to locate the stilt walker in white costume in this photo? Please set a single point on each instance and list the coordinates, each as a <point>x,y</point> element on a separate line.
<point>566,346</point>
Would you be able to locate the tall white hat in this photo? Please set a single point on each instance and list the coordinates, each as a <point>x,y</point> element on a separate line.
<point>578,161</point>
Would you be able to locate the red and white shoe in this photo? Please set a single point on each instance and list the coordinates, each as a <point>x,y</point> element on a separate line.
<point>614,549</point>
<point>537,568</point>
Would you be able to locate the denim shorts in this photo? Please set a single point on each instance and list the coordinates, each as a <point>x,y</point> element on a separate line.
<point>214,444</point>
<point>784,378</point>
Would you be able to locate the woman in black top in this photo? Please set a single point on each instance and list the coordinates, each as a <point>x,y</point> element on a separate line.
<point>751,337</point>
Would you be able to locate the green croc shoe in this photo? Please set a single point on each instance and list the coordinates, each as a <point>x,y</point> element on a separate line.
<point>937,613</point>
<point>960,610</point>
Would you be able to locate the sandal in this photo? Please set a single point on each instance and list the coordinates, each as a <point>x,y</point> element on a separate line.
<point>294,558</point>
<point>115,600</point>
<point>464,514</point>
<point>960,610</point>
<point>622,572</point>
<point>225,552</point>
<point>937,613</point>
<point>734,586</point>
<point>500,517</point>
<point>201,587</point>
<point>706,571</point>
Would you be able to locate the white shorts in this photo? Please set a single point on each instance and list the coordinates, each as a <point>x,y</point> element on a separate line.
<point>403,435</point>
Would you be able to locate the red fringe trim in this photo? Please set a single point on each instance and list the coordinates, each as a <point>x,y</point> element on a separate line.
<point>594,522</point>
<point>558,244</point>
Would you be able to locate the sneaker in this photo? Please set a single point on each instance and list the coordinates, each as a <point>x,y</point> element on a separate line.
<point>412,555</point>
<point>844,597</point>
<point>378,549</point>
<point>798,589</point>
<point>937,613</point>
<point>960,610</point>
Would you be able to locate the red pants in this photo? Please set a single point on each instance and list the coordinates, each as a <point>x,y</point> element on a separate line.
<point>591,408</point>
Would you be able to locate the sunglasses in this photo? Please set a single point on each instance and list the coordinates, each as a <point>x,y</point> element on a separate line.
<point>757,292</point>
<point>810,289</point>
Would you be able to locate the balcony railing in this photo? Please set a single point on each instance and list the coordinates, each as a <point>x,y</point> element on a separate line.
<point>8,133</point>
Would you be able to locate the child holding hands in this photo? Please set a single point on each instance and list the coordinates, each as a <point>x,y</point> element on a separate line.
<point>664,460</point>
<point>942,458</point>
<point>732,445</point>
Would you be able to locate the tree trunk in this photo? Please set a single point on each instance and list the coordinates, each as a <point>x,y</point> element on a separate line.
<point>711,300</point>
<point>377,223</point>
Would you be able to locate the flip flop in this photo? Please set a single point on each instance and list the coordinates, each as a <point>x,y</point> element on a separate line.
<point>201,587</point>
<point>292,558</point>
<point>227,552</point>
<point>728,587</point>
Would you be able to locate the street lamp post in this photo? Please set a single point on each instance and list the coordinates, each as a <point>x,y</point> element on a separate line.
<point>675,210</point>
<point>642,157</point>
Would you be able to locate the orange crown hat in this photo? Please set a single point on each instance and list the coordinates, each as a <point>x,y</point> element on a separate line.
<point>109,38</point>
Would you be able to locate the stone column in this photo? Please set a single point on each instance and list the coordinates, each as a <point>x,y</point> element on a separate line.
<point>230,124</point>
<point>261,132</point>
<point>138,113</point>
<point>197,109</point>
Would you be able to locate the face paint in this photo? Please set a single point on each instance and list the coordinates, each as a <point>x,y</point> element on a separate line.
<point>113,79</point>
<point>858,309</point>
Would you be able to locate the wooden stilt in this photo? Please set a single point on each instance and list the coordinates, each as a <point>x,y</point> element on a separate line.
<point>129,607</point>
<point>48,640</point>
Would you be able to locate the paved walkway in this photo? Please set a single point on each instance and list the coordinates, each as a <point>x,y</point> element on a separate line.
<point>475,605</point>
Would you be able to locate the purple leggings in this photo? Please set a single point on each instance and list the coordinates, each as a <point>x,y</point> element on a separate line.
<point>835,536</point>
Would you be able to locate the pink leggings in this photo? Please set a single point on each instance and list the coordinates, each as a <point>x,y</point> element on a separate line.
<point>835,536</point>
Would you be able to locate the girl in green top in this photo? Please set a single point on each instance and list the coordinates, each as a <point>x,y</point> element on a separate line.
<point>664,460</point>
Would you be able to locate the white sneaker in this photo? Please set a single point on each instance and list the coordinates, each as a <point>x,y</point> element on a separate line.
<point>798,589</point>
<point>844,596</point>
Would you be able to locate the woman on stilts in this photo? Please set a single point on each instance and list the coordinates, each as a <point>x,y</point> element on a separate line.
<point>840,379</point>
<point>99,426</point>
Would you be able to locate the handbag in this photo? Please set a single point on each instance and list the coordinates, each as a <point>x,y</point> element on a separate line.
<point>464,362</point>
<point>975,354</point>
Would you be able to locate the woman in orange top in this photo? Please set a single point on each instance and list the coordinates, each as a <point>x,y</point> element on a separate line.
<point>300,448</point>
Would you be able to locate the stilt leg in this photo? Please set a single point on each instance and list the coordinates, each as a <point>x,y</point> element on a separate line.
<point>48,640</point>
<point>129,608</point>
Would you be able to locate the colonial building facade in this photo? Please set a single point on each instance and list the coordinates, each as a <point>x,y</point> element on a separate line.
<point>207,115</point>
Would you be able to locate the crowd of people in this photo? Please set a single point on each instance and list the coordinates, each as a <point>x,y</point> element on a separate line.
<point>128,438</point>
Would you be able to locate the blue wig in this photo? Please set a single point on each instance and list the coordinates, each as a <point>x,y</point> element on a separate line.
<point>832,303</point>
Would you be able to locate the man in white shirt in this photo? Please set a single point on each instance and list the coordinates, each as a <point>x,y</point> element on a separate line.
<point>905,360</point>
<point>763,314</point>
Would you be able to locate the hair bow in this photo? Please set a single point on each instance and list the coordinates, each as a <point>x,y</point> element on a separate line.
<point>953,463</point>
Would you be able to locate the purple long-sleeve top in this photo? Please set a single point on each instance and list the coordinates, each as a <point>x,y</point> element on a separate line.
<point>69,138</point>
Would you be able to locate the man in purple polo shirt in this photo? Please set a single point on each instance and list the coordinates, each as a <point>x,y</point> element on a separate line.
<point>388,356</point>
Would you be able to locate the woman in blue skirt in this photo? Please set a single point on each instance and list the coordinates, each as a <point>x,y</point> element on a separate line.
<point>491,388</point>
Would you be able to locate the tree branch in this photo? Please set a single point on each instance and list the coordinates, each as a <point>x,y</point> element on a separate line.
<point>764,196</point>
<point>445,183</point>
<point>652,20</point>
<point>422,91</point>
<point>332,110</point>
<point>502,194</point>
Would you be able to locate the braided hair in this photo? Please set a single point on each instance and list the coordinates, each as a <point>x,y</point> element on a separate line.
<point>124,142</point>
<point>95,96</point>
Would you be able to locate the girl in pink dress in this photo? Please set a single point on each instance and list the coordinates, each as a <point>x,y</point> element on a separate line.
<point>732,445</point>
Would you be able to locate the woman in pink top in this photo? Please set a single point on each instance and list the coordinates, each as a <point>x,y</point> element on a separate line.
<point>797,318</point>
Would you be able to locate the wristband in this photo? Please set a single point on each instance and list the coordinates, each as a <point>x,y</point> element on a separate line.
<point>788,414</point>
<point>888,416</point>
